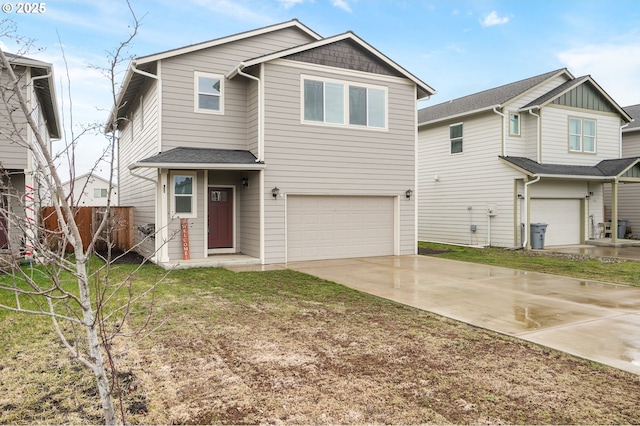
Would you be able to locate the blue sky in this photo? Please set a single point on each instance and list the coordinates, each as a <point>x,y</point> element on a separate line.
<point>457,47</point>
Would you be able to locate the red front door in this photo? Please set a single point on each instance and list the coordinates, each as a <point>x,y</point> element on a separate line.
<point>220,218</point>
<point>4,234</point>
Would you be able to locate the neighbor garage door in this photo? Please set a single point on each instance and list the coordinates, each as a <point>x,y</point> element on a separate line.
<point>333,227</point>
<point>563,219</point>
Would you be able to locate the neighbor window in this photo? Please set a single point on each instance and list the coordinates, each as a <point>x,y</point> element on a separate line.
<point>208,93</point>
<point>582,135</point>
<point>184,190</point>
<point>340,102</point>
<point>455,136</point>
<point>514,124</point>
<point>99,193</point>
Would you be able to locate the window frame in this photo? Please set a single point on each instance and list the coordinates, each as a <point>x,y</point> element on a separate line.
<point>457,139</point>
<point>345,103</point>
<point>196,93</point>
<point>519,130</point>
<point>582,136</point>
<point>103,193</point>
<point>194,194</point>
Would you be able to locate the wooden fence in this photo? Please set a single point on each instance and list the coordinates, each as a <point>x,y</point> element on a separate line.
<point>119,227</point>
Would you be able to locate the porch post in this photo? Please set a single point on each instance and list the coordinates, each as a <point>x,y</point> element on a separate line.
<point>614,211</point>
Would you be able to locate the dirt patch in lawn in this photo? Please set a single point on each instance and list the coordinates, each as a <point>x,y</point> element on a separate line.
<point>352,359</point>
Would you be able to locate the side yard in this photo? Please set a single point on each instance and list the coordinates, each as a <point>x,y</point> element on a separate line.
<point>284,347</point>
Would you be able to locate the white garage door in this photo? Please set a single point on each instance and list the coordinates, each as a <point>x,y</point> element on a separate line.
<point>562,217</point>
<point>333,227</point>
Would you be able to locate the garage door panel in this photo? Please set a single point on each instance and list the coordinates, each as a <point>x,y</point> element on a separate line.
<point>331,227</point>
<point>563,217</point>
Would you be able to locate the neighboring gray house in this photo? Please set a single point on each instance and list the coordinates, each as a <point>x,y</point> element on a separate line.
<point>273,145</point>
<point>629,195</point>
<point>539,150</point>
<point>18,175</point>
<point>91,190</point>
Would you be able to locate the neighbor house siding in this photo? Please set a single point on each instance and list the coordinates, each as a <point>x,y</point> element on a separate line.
<point>456,190</point>
<point>134,190</point>
<point>184,127</point>
<point>629,194</point>
<point>555,136</point>
<point>319,159</point>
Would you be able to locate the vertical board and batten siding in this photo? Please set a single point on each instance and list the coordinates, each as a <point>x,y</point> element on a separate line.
<point>468,185</point>
<point>555,136</point>
<point>132,190</point>
<point>629,194</point>
<point>182,126</point>
<point>319,159</point>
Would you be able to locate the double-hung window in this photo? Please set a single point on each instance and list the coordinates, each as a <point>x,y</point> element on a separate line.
<point>514,124</point>
<point>99,193</point>
<point>335,102</point>
<point>582,135</point>
<point>183,186</point>
<point>455,137</point>
<point>208,93</point>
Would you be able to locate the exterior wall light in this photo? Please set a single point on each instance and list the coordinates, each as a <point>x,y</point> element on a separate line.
<point>245,182</point>
<point>275,191</point>
<point>408,194</point>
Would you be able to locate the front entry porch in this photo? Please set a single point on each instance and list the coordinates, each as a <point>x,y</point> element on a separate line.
<point>213,261</point>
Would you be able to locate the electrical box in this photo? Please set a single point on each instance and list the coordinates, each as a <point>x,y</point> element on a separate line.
<point>474,228</point>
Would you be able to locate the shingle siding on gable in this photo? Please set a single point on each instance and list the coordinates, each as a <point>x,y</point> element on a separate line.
<point>345,54</point>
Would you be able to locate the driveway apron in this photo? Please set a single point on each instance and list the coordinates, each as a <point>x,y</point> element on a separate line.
<point>593,320</point>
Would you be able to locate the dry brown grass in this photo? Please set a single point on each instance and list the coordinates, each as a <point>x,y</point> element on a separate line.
<point>285,348</point>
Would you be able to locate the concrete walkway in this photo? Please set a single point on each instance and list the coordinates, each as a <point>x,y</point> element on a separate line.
<point>593,320</point>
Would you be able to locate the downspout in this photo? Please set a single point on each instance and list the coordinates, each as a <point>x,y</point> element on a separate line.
<point>538,150</point>
<point>526,211</point>
<point>504,143</point>
<point>260,112</point>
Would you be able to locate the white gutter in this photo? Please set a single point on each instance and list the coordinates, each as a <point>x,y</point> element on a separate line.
<point>538,130</point>
<point>462,114</point>
<point>238,70</point>
<point>504,143</point>
<point>526,210</point>
<point>198,166</point>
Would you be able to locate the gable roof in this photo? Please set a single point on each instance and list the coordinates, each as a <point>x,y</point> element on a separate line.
<point>604,170</point>
<point>424,90</point>
<point>485,100</point>
<point>634,112</point>
<point>90,175</point>
<point>45,90</point>
<point>201,158</point>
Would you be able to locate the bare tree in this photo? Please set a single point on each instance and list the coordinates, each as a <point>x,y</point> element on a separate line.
<point>79,309</point>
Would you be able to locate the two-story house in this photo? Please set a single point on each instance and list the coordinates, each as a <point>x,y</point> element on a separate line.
<point>536,151</point>
<point>276,144</point>
<point>90,189</point>
<point>19,191</point>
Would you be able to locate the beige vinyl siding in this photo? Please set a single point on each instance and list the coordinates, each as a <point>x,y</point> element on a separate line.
<point>468,185</point>
<point>629,194</point>
<point>135,191</point>
<point>318,159</point>
<point>249,216</point>
<point>13,154</point>
<point>555,136</point>
<point>184,127</point>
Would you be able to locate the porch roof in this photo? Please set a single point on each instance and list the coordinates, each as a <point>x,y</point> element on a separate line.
<point>201,158</point>
<point>604,170</point>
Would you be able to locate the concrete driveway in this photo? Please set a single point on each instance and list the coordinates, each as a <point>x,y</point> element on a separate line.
<point>593,320</point>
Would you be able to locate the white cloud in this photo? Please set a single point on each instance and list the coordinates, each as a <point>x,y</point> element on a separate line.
<point>288,4</point>
<point>614,67</point>
<point>342,4</point>
<point>494,19</point>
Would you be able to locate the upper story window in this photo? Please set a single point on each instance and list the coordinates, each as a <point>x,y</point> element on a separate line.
<point>582,135</point>
<point>183,202</point>
<point>208,92</point>
<point>514,124</point>
<point>99,193</point>
<point>336,102</point>
<point>455,136</point>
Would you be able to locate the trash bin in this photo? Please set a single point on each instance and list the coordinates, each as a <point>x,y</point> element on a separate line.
<point>537,235</point>
<point>622,228</point>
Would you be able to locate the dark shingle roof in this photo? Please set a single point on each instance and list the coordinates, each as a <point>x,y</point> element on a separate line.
<point>634,112</point>
<point>605,168</point>
<point>483,100</point>
<point>555,92</point>
<point>184,155</point>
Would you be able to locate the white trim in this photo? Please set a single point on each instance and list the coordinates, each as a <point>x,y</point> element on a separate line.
<point>511,114</point>
<point>233,248</point>
<point>194,194</point>
<point>198,166</point>
<point>196,93</point>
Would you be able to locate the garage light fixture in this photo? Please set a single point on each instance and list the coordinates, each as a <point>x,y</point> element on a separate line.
<point>275,191</point>
<point>408,194</point>
<point>245,182</point>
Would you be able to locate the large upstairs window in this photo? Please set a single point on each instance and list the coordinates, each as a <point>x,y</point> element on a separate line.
<point>582,135</point>
<point>208,93</point>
